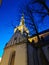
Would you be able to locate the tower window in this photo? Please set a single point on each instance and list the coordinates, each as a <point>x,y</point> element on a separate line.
<point>15,38</point>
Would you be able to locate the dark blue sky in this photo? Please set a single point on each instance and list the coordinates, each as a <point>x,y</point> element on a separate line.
<point>9,12</point>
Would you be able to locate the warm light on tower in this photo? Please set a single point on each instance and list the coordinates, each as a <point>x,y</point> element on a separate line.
<point>22,26</point>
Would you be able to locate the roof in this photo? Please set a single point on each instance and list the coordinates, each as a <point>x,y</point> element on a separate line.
<point>16,39</point>
<point>20,38</point>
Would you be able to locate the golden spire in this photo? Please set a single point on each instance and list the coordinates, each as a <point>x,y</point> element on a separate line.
<point>22,26</point>
<point>22,20</point>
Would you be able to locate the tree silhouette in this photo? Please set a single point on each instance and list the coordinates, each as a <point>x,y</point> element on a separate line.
<point>36,11</point>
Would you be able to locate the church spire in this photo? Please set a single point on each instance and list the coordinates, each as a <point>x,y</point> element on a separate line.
<point>22,26</point>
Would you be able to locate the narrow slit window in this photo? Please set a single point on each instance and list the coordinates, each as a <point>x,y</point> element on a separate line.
<point>12,59</point>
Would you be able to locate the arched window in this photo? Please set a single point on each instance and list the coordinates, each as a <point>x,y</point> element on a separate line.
<point>12,58</point>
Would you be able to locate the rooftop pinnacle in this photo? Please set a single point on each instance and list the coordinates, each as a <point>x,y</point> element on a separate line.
<point>22,26</point>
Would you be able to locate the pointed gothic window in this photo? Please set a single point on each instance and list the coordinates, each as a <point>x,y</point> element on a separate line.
<point>12,58</point>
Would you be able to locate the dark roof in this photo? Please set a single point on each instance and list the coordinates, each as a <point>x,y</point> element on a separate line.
<point>45,31</point>
<point>16,38</point>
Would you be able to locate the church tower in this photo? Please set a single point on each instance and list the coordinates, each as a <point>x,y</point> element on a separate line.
<point>22,51</point>
<point>15,51</point>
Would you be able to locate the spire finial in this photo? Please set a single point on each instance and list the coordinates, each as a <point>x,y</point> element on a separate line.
<point>22,20</point>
